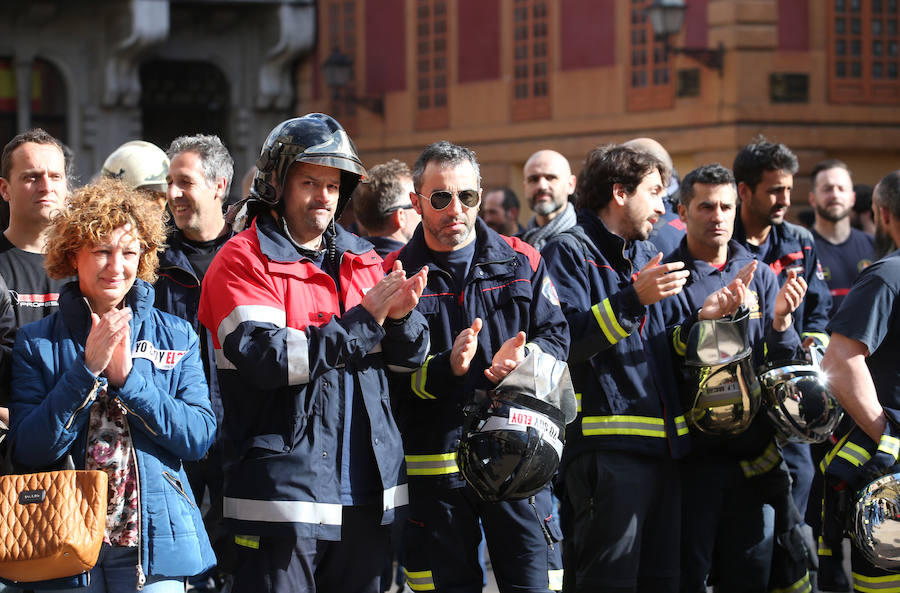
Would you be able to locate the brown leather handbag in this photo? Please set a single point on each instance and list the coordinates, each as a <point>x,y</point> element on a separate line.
<point>51,523</point>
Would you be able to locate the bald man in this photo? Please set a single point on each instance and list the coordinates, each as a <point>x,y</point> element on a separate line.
<point>669,229</point>
<point>548,184</point>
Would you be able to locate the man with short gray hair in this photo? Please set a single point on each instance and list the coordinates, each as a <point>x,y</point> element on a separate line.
<point>199,174</point>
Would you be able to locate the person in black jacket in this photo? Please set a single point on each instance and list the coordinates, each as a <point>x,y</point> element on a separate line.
<point>764,172</point>
<point>198,178</point>
<point>732,485</point>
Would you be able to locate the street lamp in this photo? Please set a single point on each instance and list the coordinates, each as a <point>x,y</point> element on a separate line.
<point>667,18</point>
<point>338,71</point>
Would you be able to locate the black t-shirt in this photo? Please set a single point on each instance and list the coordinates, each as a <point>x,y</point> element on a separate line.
<point>870,314</point>
<point>34,295</point>
<point>201,253</point>
<point>842,263</point>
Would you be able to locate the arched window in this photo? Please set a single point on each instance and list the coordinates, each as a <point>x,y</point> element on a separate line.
<point>48,99</point>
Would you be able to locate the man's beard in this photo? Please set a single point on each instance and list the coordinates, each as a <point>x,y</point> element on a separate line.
<point>545,208</point>
<point>449,239</point>
<point>832,217</point>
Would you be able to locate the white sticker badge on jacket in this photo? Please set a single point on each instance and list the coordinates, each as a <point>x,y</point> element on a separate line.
<point>162,359</point>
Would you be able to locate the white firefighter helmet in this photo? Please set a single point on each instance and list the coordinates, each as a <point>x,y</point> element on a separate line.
<point>141,165</point>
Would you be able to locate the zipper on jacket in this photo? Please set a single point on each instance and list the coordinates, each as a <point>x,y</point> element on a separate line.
<point>92,395</point>
<point>141,577</point>
<point>630,263</point>
<point>176,483</point>
<point>128,410</point>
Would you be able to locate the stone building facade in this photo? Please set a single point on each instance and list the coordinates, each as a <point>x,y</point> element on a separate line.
<point>98,74</point>
<point>509,77</point>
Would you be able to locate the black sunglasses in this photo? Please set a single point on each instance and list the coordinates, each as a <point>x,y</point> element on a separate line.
<point>441,198</point>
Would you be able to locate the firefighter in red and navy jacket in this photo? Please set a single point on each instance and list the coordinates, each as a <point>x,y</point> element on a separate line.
<point>764,173</point>
<point>488,298</point>
<point>304,324</point>
<point>620,484</point>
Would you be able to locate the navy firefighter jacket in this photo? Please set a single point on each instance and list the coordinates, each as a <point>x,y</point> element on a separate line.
<point>620,357</point>
<point>508,287</point>
<point>766,343</point>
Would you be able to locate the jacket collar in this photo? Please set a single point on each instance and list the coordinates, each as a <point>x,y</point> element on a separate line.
<point>489,248</point>
<point>612,246</point>
<point>738,255</point>
<point>76,314</point>
<point>777,232</point>
<point>277,247</point>
<point>174,256</point>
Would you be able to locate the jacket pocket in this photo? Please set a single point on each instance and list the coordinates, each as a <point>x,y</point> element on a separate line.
<point>497,296</point>
<point>262,445</point>
<point>179,487</point>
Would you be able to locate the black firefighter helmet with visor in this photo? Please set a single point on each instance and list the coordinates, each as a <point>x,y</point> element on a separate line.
<point>512,437</point>
<point>315,138</point>
<point>511,445</point>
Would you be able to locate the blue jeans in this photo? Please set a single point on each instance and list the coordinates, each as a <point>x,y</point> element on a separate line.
<point>116,572</point>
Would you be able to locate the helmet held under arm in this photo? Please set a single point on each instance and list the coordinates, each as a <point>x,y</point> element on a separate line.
<point>721,394</point>
<point>798,401</point>
<point>512,438</point>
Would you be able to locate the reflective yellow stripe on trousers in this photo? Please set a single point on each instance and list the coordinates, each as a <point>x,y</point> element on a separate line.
<point>431,465</point>
<point>556,579</point>
<point>885,584</point>
<point>645,426</point>
<point>419,580</point>
<point>801,586</point>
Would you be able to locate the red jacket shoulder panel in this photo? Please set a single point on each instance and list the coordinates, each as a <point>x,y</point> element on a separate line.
<point>520,246</point>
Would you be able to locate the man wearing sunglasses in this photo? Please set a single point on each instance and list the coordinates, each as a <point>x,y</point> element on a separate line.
<point>382,206</point>
<point>488,300</point>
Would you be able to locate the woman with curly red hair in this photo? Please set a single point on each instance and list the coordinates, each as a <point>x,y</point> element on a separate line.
<point>119,386</point>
